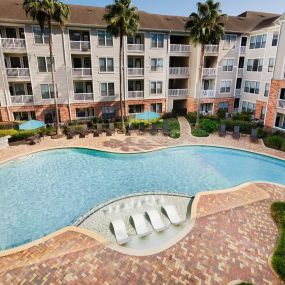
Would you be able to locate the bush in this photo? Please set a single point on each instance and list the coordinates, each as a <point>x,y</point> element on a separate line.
<point>75,129</point>
<point>9,125</point>
<point>274,141</point>
<point>197,132</point>
<point>175,134</point>
<point>192,117</point>
<point>174,127</point>
<point>243,116</point>
<point>221,114</point>
<point>245,127</point>
<point>261,133</point>
<point>208,125</point>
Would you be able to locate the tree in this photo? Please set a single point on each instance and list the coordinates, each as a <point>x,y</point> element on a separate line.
<point>205,27</point>
<point>45,12</point>
<point>122,20</point>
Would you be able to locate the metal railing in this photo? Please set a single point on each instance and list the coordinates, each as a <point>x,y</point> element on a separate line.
<point>135,71</point>
<point>22,99</point>
<point>178,92</point>
<point>13,43</point>
<point>211,49</point>
<point>240,72</point>
<point>208,93</point>
<point>82,71</point>
<point>80,45</point>
<point>135,47</point>
<point>209,71</point>
<point>180,48</point>
<point>135,94</point>
<point>179,71</point>
<point>281,103</point>
<point>237,92</point>
<point>83,96</point>
<point>242,49</point>
<point>18,72</point>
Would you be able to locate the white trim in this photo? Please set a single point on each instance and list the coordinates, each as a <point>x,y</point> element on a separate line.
<point>225,80</point>
<point>106,72</point>
<point>100,90</point>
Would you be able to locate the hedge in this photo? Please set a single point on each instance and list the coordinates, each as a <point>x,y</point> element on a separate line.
<point>208,125</point>
<point>245,127</point>
<point>275,141</point>
<point>198,132</point>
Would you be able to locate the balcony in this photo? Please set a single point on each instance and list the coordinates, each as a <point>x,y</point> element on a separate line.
<point>135,71</point>
<point>22,99</point>
<point>208,93</point>
<point>175,48</point>
<point>179,71</point>
<point>211,49</point>
<point>18,72</point>
<point>80,45</point>
<point>242,50</point>
<point>281,104</point>
<point>178,92</point>
<point>237,92</point>
<point>135,47</point>
<point>135,94</point>
<point>13,43</point>
<point>209,72</point>
<point>82,72</point>
<point>83,96</point>
<point>240,72</point>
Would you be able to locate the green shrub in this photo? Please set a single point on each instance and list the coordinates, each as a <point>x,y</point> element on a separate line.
<point>261,133</point>
<point>245,126</point>
<point>274,141</point>
<point>174,127</point>
<point>197,132</point>
<point>10,132</point>
<point>208,125</point>
<point>209,117</point>
<point>75,129</point>
<point>9,125</point>
<point>242,116</point>
<point>221,113</point>
<point>175,134</point>
<point>192,117</point>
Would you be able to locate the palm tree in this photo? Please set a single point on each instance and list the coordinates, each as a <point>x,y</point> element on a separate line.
<point>122,20</point>
<point>205,27</point>
<point>45,12</point>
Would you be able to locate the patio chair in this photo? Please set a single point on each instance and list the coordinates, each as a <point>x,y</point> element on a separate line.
<point>153,129</point>
<point>34,139</point>
<point>253,135</point>
<point>129,129</point>
<point>172,215</point>
<point>236,133</point>
<point>140,225</point>
<point>99,128</point>
<point>141,128</point>
<point>166,129</point>
<point>222,130</point>
<point>120,231</point>
<point>111,129</point>
<point>156,220</point>
<point>84,132</point>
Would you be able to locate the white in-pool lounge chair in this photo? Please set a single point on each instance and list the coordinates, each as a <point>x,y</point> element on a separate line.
<point>140,225</point>
<point>120,231</point>
<point>156,220</point>
<point>172,215</point>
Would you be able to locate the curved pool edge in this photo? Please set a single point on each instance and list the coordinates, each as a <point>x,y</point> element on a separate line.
<point>133,252</point>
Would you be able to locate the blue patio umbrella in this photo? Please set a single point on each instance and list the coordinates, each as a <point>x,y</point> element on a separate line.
<point>147,116</point>
<point>32,125</point>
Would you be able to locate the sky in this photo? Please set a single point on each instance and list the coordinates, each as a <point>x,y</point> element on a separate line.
<point>185,7</point>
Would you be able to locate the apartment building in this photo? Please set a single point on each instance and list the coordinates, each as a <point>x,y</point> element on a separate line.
<point>161,67</point>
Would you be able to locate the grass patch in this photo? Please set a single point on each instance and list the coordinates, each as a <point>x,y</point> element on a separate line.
<point>278,259</point>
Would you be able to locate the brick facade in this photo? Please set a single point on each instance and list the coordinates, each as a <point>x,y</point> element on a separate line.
<point>258,109</point>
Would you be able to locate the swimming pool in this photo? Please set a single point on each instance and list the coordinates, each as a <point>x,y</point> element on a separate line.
<point>45,191</point>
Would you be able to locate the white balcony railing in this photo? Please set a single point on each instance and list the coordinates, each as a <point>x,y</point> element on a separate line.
<point>208,93</point>
<point>22,99</point>
<point>211,49</point>
<point>83,96</point>
<point>135,47</point>
<point>80,45</point>
<point>135,94</point>
<point>13,43</point>
<point>82,72</point>
<point>237,92</point>
<point>179,71</point>
<point>180,48</point>
<point>209,72</point>
<point>135,71</point>
<point>240,72</point>
<point>281,103</point>
<point>178,92</point>
<point>18,72</point>
<point>242,50</point>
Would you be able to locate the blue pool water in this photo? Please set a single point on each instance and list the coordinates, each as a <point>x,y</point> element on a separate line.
<point>46,191</point>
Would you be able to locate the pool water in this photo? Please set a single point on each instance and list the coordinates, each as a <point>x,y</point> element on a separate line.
<point>45,191</point>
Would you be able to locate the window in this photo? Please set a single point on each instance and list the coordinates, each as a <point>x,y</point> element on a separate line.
<point>224,106</point>
<point>135,109</point>
<point>20,89</point>
<point>39,36</point>
<point>266,89</point>
<point>254,64</point>
<point>105,39</point>
<point>108,89</point>
<point>238,83</point>
<point>228,64</point>
<point>241,62</point>
<point>156,87</point>
<point>248,106</point>
<point>275,38</point>
<point>157,40</point>
<point>108,112</point>
<point>251,87</point>
<point>84,112</point>
<point>230,41</point>
<point>79,36</point>
<point>156,64</point>
<point>44,64</point>
<point>271,63</point>
<point>11,33</point>
<point>225,86</point>
<point>83,87</point>
<point>106,64</point>
<point>47,91</point>
<point>282,94</point>
<point>24,116</point>
<point>156,107</point>
<point>258,41</point>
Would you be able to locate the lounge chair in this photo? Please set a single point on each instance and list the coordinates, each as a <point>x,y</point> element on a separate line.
<point>99,128</point>
<point>156,220</point>
<point>153,129</point>
<point>172,215</point>
<point>165,129</point>
<point>141,128</point>
<point>129,129</point>
<point>222,130</point>
<point>34,139</point>
<point>140,225</point>
<point>236,133</point>
<point>111,129</point>
<point>253,135</point>
<point>120,231</point>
